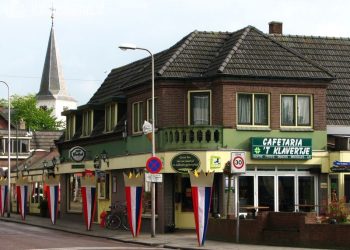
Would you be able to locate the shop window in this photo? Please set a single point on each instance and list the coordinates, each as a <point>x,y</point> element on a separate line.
<point>137,117</point>
<point>36,192</point>
<point>88,117</point>
<point>347,188</point>
<point>296,110</point>
<point>111,116</point>
<point>74,192</point>
<point>306,192</point>
<point>149,111</point>
<point>334,183</point>
<point>253,109</point>
<point>246,190</point>
<point>200,108</point>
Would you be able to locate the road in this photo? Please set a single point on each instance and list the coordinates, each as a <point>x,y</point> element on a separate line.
<point>15,236</point>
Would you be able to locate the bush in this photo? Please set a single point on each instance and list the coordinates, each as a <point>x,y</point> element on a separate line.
<point>338,211</point>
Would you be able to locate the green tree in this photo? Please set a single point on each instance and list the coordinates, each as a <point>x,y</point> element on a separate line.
<point>24,108</point>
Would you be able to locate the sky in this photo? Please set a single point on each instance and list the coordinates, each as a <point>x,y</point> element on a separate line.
<point>88,32</point>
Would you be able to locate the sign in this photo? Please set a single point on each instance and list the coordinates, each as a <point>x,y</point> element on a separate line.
<point>77,154</point>
<point>154,165</point>
<point>238,163</point>
<point>340,166</point>
<point>185,162</point>
<point>281,148</point>
<point>215,162</point>
<point>154,177</point>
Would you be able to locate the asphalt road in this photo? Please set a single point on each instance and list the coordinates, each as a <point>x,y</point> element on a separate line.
<point>15,236</point>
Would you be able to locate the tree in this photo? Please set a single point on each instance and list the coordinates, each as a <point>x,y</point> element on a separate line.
<point>24,108</point>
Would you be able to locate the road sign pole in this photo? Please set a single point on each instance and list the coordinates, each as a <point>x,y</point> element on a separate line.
<point>237,207</point>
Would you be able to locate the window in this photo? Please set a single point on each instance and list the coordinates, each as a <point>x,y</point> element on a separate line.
<point>253,109</point>
<point>110,116</point>
<point>137,117</point>
<point>21,147</point>
<point>87,122</point>
<point>199,111</point>
<point>296,110</point>
<point>149,111</point>
<point>70,126</point>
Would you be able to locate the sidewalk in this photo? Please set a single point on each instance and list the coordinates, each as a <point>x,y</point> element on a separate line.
<point>177,240</point>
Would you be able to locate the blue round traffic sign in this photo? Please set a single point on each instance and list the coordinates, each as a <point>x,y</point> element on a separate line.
<point>154,165</point>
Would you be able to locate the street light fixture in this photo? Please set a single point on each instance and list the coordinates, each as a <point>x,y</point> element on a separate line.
<point>129,46</point>
<point>8,150</point>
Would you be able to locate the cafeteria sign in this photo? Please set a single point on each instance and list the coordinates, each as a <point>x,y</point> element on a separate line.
<point>281,148</point>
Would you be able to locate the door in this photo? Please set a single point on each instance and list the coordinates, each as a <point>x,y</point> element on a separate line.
<point>266,192</point>
<point>286,194</point>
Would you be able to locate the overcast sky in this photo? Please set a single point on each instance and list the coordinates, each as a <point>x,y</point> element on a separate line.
<point>88,32</point>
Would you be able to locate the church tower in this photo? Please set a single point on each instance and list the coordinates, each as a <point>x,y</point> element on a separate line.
<point>53,92</point>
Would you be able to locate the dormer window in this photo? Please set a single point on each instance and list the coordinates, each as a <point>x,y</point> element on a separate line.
<point>111,114</point>
<point>70,126</point>
<point>88,122</point>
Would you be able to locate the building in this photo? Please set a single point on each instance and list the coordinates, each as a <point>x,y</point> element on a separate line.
<point>216,93</point>
<point>53,91</point>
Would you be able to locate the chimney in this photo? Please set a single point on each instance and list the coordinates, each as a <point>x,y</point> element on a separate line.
<point>22,124</point>
<point>275,28</point>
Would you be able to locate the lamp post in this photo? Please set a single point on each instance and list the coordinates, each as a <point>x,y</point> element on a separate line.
<point>153,191</point>
<point>8,150</point>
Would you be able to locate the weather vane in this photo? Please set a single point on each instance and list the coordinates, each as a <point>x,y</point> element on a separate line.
<point>52,13</point>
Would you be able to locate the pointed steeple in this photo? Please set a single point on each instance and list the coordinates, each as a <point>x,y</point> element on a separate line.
<point>53,92</point>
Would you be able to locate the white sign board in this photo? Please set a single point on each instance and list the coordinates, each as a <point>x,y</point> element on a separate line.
<point>238,162</point>
<point>153,177</point>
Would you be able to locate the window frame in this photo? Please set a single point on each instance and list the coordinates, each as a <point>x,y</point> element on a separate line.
<point>253,110</point>
<point>189,109</point>
<point>295,115</point>
<point>111,118</point>
<point>70,126</point>
<point>88,122</point>
<point>139,117</point>
<point>149,112</point>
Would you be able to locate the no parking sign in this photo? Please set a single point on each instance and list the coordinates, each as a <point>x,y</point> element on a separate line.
<point>238,163</point>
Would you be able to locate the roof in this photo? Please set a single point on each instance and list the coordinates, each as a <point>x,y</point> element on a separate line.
<point>333,54</point>
<point>52,84</point>
<point>44,140</point>
<point>246,53</point>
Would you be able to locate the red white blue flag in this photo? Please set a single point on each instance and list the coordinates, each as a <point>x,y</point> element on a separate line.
<point>22,193</point>
<point>201,197</point>
<point>88,191</point>
<point>53,202</point>
<point>3,199</point>
<point>51,190</point>
<point>133,194</point>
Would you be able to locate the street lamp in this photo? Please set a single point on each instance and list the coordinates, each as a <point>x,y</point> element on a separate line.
<point>8,150</point>
<point>134,47</point>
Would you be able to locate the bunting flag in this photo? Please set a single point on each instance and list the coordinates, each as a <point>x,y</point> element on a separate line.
<point>201,184</point>
<point>88,192</point>
<point>133,194</point>
<point>51,187</point>
<point>22,194</point>
<point>3,195</point>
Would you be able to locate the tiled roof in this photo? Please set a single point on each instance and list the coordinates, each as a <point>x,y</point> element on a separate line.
<point>247,53</point>
<point>44,140</point>
<point>333,54</point>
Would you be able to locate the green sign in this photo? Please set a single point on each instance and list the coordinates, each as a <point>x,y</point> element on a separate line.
<point>281,148</point>
<point>185,162</point>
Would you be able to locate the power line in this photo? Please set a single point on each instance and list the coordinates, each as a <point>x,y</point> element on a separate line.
<point>36,77</point>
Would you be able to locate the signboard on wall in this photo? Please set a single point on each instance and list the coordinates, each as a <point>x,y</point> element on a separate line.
<point>281,148</point>
<point>185,162</point>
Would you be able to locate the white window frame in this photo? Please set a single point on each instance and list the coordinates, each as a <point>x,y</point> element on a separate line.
<point>111,118</point>
<point>189,111</point>
<point>149,111</point>
<point>296,111</point>
<point>139,117</point>
<point>253,110</point>
<point>88,122</point>
<point>70,126</point>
